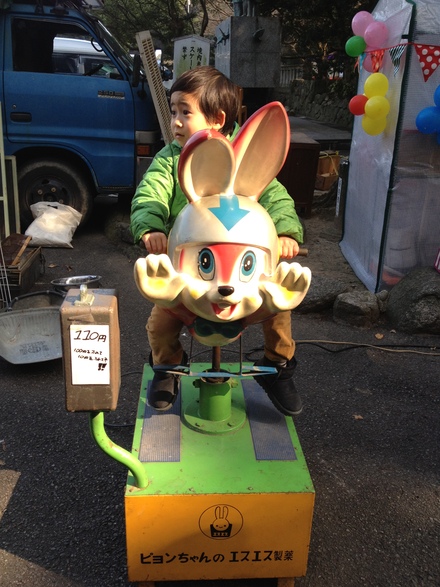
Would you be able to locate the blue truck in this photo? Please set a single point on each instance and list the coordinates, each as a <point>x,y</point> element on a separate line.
<point>78,124</point>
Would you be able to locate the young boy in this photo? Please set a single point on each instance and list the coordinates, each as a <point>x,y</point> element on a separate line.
<point>204,98</point>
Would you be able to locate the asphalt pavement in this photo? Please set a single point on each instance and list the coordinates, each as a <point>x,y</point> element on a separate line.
<point>369,431</point>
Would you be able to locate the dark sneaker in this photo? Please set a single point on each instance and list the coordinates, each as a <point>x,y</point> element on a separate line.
<point>280,387</point>
<point>163,391</point>
<point>164,388</point>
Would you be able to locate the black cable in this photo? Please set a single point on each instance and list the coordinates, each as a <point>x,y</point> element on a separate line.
<point>393,348</point>
<point>110,425</point>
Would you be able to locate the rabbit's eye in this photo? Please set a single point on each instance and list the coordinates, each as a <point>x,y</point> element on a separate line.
<point>248,266</point>
<point>206,265</point>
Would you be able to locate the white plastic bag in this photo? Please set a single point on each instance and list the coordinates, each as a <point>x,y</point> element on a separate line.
<point>54,225</point>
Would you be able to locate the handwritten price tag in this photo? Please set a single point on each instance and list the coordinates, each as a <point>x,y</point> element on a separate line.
<point>90,354</point>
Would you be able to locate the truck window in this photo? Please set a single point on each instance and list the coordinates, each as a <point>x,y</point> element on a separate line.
<point>48,47</point>
<point>81,57</point>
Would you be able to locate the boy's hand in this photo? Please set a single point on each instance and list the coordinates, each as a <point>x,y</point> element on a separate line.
<point>287,247</point>
<point>155,242</point>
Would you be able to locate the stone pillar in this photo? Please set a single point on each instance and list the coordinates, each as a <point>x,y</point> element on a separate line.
<point>248,50</point>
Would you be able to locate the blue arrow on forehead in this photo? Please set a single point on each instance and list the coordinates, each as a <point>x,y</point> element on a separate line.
<point>229,212</point>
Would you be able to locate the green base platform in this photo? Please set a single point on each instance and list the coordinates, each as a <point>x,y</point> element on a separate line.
<point>218,505</point>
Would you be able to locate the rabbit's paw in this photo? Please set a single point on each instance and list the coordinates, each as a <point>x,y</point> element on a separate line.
<point>286,288</point>
<point>158,281</point>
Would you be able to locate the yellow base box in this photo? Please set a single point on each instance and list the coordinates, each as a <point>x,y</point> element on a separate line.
<point>199,537</point>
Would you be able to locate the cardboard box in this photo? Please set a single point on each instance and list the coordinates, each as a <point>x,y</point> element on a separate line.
<point>324,182</point>
<point>91,344</point>
<point>328,163</point>
<point>328,170</point>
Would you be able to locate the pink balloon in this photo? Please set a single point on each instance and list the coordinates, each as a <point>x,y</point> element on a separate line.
<point>360,22</point>
<point>367,64</point>
<point>376,34</point>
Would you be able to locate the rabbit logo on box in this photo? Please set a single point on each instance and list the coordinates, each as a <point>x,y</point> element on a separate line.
<point>221,521</point>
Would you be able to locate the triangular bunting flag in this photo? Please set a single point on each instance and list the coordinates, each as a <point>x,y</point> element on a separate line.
<point>376,59</point>
<point>396,55</point>
<point>429,58</point>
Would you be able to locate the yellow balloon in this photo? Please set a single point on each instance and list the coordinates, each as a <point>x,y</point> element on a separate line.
<point>373,126</point>
<point>377,107</point>
<point>376,84</point>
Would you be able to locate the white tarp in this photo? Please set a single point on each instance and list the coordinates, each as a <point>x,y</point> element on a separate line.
<point>392,211</point>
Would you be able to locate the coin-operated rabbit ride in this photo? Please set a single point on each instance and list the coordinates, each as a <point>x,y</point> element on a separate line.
<point>218,485</point>
<point>221,273</point>
<point>228,456</point>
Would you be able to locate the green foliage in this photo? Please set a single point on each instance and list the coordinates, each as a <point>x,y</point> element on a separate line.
<point>165,19</point>
<point>316,30</point>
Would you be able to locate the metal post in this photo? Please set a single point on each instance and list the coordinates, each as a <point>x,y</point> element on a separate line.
<point>118,453</point>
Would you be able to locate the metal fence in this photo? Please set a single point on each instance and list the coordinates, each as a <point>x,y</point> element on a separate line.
<point>288,73</point>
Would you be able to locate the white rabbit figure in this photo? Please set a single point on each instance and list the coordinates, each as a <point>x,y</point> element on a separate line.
<point>221,526</point>
<point>221,272</point>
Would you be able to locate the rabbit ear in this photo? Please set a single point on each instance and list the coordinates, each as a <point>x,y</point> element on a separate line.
<point>260,148</point>
<point>206,165</point>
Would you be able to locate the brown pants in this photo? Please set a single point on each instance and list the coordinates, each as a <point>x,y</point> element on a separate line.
<point>164,329</point>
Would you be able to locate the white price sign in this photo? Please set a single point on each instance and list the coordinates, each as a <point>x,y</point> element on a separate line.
<point>90,354</point>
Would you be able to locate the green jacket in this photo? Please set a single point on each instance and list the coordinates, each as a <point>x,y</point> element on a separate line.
<point>159,199</point>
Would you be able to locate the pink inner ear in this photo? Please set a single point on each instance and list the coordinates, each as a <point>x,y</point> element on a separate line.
<point>206,165</point>
<point>212,167</point>
<point>261,148</point>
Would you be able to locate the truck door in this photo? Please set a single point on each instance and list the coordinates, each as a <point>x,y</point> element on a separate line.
<point>86,111</point>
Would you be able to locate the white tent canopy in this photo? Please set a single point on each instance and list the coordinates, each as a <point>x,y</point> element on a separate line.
<point>392,210</point>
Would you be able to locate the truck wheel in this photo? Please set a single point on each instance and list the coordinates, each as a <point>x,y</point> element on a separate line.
<point>53,181</point>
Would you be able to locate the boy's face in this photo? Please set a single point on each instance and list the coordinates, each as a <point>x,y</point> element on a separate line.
<point>186,117</point>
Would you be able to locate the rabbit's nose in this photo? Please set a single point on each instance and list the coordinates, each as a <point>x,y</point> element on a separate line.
<point>225,290</point>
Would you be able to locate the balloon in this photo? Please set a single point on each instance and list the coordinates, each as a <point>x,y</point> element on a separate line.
<point>377,107</point>
<point>428,120</point>
<point>376,84</point>
<point>437,96</point>
<point>376,34</point>
<point>373,126</point>
<point>355,46</point>
<point>360,22</point>
<point>357,104</point>
<point>367,64</point>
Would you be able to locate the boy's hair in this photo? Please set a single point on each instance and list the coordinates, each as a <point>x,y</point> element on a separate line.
<point>213,91</point>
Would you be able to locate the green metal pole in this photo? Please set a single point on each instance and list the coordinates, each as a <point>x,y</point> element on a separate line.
<point>116,452</point>
<point>215,400</point>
